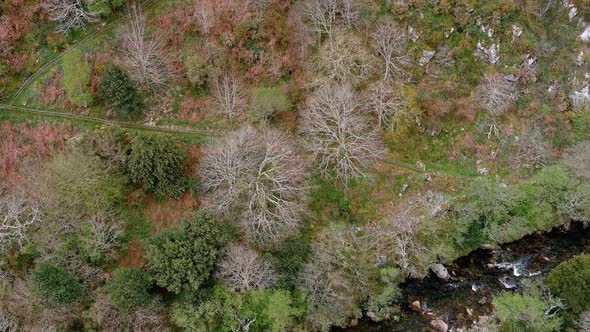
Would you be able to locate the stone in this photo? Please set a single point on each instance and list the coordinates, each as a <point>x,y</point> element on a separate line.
<point>439,325</point>
<point>371,315</point>
<point>440,271</point>
<point>416,306</point>
<point>426,57</point>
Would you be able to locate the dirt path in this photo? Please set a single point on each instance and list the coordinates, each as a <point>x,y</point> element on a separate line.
<point>111,122</point>
<point>46,66</point>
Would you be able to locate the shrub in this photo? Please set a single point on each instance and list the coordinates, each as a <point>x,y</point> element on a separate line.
<point>218,309</point>
<point>104,7</point>
<point>526,312</point>
<point>205,69</point>
<point>129,288</point>
<point>290,261</point>
<point>77,75</point>
<point>157,163</point>
<point>118,92</point>
<point>183,258</point>
<point>570,280</point>
<point>55,284</point>
<point>267,102</point>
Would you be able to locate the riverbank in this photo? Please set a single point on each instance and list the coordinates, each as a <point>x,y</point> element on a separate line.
<point>477,277</point>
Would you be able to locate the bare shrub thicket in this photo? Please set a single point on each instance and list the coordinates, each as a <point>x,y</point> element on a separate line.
<point>324,15</point>
<point>387,102</point>
<point>70,14</point>
<point>498,95</point>
<point>344,59</point>
<point>204,14</point>
<point>396,237</point>
<point>577,159</point>
<point>337,277</point>
<point>243,269</point>
<point>258,175</point>
<point>389,43</point>
<point>109,318</point>
<point>340,137</point>
<point>531,150</point>
<point>229,95</point>
<point>143,54</point>
<point>583,322</point>
<point>18,212</point>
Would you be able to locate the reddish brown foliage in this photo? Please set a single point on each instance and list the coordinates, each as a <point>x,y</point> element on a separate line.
<point>174,26</point>
<point>21,142</point>
<point>136,255</point>
<point>54,91</point>
<point>193,110</point>
<point>168,213</point>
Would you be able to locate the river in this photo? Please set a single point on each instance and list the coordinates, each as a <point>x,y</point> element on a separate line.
<point>476,278</point>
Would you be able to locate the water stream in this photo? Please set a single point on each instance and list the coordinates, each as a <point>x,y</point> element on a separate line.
<point>476,278</point>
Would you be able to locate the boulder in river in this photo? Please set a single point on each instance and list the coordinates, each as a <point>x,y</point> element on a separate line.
<point>440,271</point>
<point>439,325</point>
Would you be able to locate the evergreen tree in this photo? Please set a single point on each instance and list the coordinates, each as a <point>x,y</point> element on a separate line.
<point>157,163</point>
<point>119,92</point>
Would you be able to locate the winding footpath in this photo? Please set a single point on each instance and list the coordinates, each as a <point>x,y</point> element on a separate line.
<point>102,30</point>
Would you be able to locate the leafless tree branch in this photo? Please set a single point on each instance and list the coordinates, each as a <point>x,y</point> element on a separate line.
<point>71,14</point>
<point>257,173</point>
<point>243,270</point>
<point>229,95</point>
<point>389,43</point>
<point>142,54</point>
<point>340,137</point>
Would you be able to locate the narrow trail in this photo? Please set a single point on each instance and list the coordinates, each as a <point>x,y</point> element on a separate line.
<point>123,124</point>
<point>202,132</point>
<point>102,30</point>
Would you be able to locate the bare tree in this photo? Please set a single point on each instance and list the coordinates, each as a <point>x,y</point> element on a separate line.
<point>344,59</point>
<point>531,150</point>
<point>204,13</point>
<point>71,14</point>
<point>498,95</point>
<point>336,280</point>
<point>577,159</point>
<point>396,237</point>
<point>142,54</point>
<point>323,15</point>
<point>388,104</point>
<point>389,43</point>
<point>583,322</point>
<point>17,213</point>
<point>259,175</point>
<point>243,269</point>
<point>104,233</point>
<point>7,323</point>
<point>340,137</point>
<point>229,95</point>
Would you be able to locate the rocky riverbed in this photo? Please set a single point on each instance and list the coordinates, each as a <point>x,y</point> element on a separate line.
<point>436,304</point>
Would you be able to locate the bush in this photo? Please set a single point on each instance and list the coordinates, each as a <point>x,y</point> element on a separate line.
<point>183,258</point>
<point>290,261</point>
<point>570,280</point>
<point>526,312</point>
<point>217,310</point>
<point>267,102</point>
<point>104,7</point>
<point>118,92</point>
<point>157,163</point>
<point>55,284</point>
<point>129,288</point>
<point>77,75</point>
